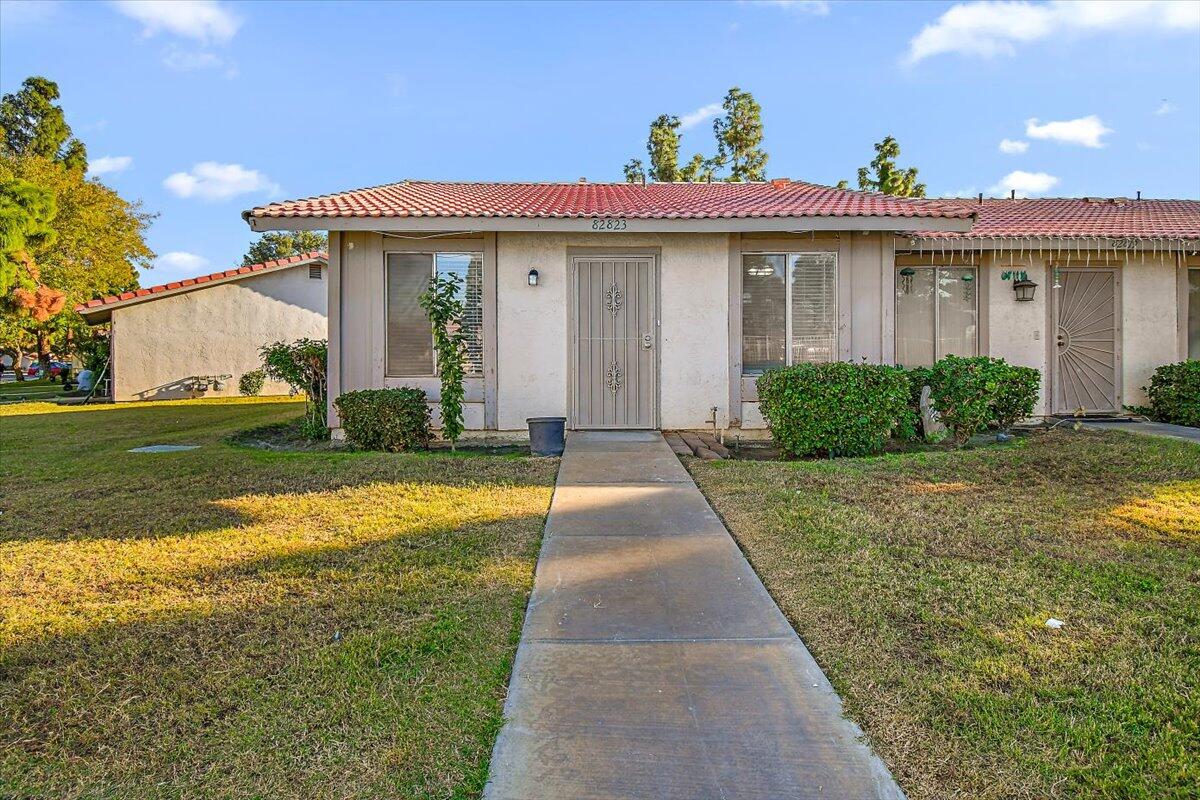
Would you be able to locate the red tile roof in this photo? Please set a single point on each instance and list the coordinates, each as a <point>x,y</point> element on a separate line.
<point>1080,217</point>
<point>237,272</point>
<point>777,198</point>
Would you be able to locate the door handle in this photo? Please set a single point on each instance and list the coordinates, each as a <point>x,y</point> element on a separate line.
<point>647,341</point>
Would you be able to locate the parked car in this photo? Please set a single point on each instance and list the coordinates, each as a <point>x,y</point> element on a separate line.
<point>56,368</point>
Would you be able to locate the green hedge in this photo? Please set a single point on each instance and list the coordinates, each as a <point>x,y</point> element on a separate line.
<point>969,393</point>
<point>386,419</point>
<point>1175,393</point>
<point>838,409</point>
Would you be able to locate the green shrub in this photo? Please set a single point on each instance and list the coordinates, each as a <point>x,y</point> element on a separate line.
<point>386,419</point>
<point>838,409</point>
<point>301,365</point>
<point>251,384</point>
<point>1017,395</point>
<point>968,393</point>
<point>1175,393</point>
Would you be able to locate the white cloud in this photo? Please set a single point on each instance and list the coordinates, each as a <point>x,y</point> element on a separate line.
<point>202,20</point>
<point>1165,108</point>
<point>818,8</point>
<point>209,180</point>
<point>1013,146</point>
<point>990,28</point>
<point>1025,183</point>
<point>107,165</point>
<point>694,118</point>
<point>179,261</point>
<point>1086,131</point>
<point>182,60</point>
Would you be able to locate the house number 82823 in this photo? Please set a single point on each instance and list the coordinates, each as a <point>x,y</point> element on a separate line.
<point>609,225</point>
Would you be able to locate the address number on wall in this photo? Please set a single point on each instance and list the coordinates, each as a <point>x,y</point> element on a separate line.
<point>609,225</point>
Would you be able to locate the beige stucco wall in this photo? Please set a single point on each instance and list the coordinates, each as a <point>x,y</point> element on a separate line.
<point>1149,321</point>
<point>531,341</point>
<point>533,338</point>
<point>217,330</point>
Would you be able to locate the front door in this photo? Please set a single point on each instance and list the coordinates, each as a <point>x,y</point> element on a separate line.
<point>615,384</point>
<point>1085,346</point>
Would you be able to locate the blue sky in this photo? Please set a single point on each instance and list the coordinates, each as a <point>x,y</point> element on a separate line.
<point>204,109</point>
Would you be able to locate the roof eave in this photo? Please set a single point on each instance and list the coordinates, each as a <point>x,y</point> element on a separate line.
<point>631,224</point>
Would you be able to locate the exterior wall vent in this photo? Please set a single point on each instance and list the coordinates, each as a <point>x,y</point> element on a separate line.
<point>314,271</point>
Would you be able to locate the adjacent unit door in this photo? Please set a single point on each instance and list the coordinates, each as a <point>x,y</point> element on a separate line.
<point>615,381</point>
<point>1085,346</point>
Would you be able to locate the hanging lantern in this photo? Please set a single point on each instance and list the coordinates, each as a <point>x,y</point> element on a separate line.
<point>1024,290</point>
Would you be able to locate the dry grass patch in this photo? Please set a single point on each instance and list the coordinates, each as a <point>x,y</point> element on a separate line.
<point>922,584</point>
<point>231,622</point>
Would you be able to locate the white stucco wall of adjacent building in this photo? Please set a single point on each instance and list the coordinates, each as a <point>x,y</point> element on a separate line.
<point>159,345</point>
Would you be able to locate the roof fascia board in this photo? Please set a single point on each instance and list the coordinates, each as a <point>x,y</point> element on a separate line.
<point>632,225</point>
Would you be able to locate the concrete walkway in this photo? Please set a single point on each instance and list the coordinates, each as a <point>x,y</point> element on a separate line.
<point>653,663</point>
<point>1149,429</point>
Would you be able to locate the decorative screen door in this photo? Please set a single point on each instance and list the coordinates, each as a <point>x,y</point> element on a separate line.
<point>1085,343</point>
<point>615,384</point>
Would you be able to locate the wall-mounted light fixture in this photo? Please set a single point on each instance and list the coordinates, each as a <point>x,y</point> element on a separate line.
<point>1024,290</point>
<point>533,277</point>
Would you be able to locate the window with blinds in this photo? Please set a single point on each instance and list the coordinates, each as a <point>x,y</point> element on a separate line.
<point>789,309</point>
<point>937,314</point>
<point>409,336</point>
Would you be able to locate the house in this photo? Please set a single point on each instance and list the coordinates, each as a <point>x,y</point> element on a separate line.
<point>656,306</point>
<point>197,337</point>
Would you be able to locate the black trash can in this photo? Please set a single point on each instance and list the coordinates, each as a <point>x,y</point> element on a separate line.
<point>546,435</point>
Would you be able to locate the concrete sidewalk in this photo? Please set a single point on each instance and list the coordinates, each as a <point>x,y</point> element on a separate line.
<point>653,663</point>
<point>1162,429</point>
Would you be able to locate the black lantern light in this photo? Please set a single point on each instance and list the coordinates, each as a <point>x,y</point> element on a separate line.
<point>1024,289</point>
<point>533,277</point>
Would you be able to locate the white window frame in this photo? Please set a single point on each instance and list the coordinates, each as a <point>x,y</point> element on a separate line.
<point>937,307</point>
<point>433,254</point>
<point>787,301</point>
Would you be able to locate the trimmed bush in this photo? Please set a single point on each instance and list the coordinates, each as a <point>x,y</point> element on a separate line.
<point>1017,395</point>
<point>1175,393</point>
<point>386,419</point>
<point>968,393</point>
<point>251,384</point>
<point>838,409</point>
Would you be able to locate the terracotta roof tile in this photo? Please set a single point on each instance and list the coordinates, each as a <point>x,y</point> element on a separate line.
<point>290,261</point>
<point>777,198</point>
<point>1068,217</point>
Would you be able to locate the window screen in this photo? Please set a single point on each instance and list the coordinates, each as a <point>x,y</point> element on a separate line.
<point>814,307</point>
<point>764,312</point>
<point>469,268</point>
<point>937,312</point>
<point>409,337</point>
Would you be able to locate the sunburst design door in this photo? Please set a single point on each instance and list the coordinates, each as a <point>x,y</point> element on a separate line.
<point>1085,357</point>
<point>616,335</point>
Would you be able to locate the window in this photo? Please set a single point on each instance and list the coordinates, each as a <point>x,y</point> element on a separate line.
<point>789,309</point>
<point>936,314</point>
<point>1193,329</point>
<point>409,337</point>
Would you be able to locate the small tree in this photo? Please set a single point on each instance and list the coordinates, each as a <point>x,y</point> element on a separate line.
<point>301,365</point>
<point>884,176</point>
<point>739,137</point>
<point>275,245</point>
<point>443,304</point>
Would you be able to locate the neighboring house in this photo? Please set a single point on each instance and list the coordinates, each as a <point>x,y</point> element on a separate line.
<point>656,306</point>
<point>197,337</point>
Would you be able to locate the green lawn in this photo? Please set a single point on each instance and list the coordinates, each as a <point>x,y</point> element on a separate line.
<point>228,622</point>
<point>922,584</point>
<point>30,390</point>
